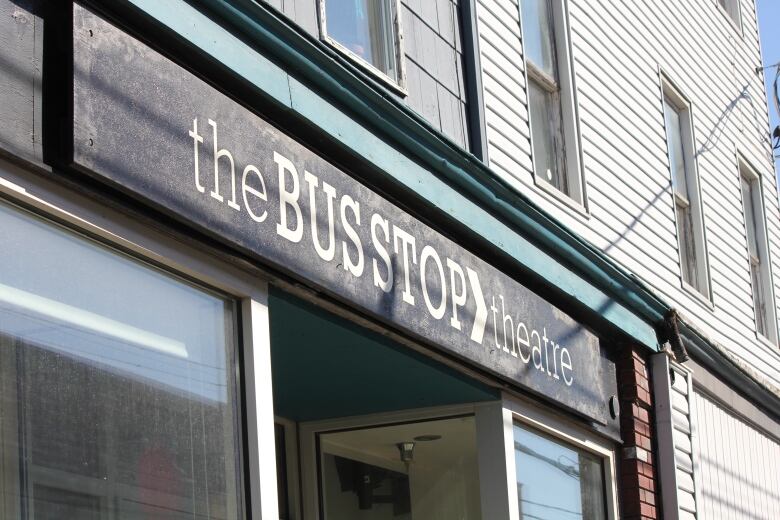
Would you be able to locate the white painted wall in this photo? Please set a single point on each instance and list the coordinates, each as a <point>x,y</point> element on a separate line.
<point>738,472</point>
<point>618,49</point>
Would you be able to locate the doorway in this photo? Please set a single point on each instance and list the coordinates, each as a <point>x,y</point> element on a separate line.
<point>368,429</point>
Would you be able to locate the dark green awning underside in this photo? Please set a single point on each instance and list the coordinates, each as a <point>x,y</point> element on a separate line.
<point>325,366</point>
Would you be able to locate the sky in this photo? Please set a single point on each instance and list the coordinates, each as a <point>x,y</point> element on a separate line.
<point>769,28</point>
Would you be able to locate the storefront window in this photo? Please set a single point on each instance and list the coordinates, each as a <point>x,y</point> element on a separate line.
<point>555,480</point>
<point>117,384</point>
<point>401,472</point>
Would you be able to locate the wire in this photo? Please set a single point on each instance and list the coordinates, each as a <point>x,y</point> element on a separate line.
<point>759,69</point>
<point>548,506</point>
<point>569,470</point>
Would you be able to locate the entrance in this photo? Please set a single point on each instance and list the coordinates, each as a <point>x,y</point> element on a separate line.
<point>368,429</point>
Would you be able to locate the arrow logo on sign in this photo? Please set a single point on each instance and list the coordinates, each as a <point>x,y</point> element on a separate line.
<point>480,317</point>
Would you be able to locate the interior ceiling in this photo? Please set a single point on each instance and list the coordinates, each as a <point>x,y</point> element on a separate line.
<point>326,367</point>
<point>378,445</point>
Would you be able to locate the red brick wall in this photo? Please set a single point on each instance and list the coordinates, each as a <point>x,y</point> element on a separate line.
<point>637,486</point>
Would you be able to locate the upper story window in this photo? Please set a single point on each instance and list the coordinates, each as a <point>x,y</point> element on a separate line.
<point>755,230</point>
<point>685,188</point>
<point>731,8</point>
<point>551,104</point>
<point>367,31</point>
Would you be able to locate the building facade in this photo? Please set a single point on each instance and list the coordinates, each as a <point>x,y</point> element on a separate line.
<point>355,259</point>
<point>663,120</point>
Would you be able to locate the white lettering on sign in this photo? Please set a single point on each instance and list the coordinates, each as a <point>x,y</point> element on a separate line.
<point>446,286</point>
<point>408,243</point>
<point>197,139</point>
<point>326,253</point>
<point>437,311</point>
<point>383,282</point>
<point>222,153</point>
<point>354,267</point>
<point>481,314</point>
<point>288,199</point>
<point>259,193</point>
<point>459,296</point>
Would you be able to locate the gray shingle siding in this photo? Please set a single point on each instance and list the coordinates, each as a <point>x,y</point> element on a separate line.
<point>434,59</point>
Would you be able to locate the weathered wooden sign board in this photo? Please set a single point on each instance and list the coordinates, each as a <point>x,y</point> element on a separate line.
<point>157,131</point>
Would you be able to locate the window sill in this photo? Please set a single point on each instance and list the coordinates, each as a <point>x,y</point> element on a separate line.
<point>766,341</point>
<point>398,88</point>
<point>561,198</point>
<point>698,296</point>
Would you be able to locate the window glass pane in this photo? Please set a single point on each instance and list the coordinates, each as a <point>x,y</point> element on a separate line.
<point>555,480</point>
<point>538,42</point>
<point>687,245</point>
<point>366,28</point>
<point>675,144</point>
<point>117,384</point>
<point>758,298</point>
<point>750,218</point>
<point>759,283</point>
<point>732,9</point>
<point>547,138</point>
<point>363,475</point>
<point>55,504</point>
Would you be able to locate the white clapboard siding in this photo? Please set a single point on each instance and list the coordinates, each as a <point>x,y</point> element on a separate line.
<point>675,430</point>
<point>509,144</point>
<point>619,49</point>
<point>738,469</point>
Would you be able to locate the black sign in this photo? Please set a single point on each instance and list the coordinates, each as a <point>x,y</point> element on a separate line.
<point>157,131</point>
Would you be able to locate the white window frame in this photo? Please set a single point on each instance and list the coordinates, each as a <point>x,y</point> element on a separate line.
<point>399,86</point>
<point>86,216</point>
<point>291,454</point>
<point>491,453</point>
<point>694,200</point>
<point>532,415</point>
<point>751,175</point>
<point>736,24</point>
<point>569,111</point>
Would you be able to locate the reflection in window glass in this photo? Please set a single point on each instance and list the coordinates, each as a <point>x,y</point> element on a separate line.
<point>538,42</point>
<point>675,144</point>
<point>751,204</point>
<point>732,9</point>
<point>367,29</point>
<point>546,136</point>
<point>117,386</point>
<point>365,477</point>
<point>544,95</point>
<point>687,242</point>
<point>677,123</point>
<point>556,481</point>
